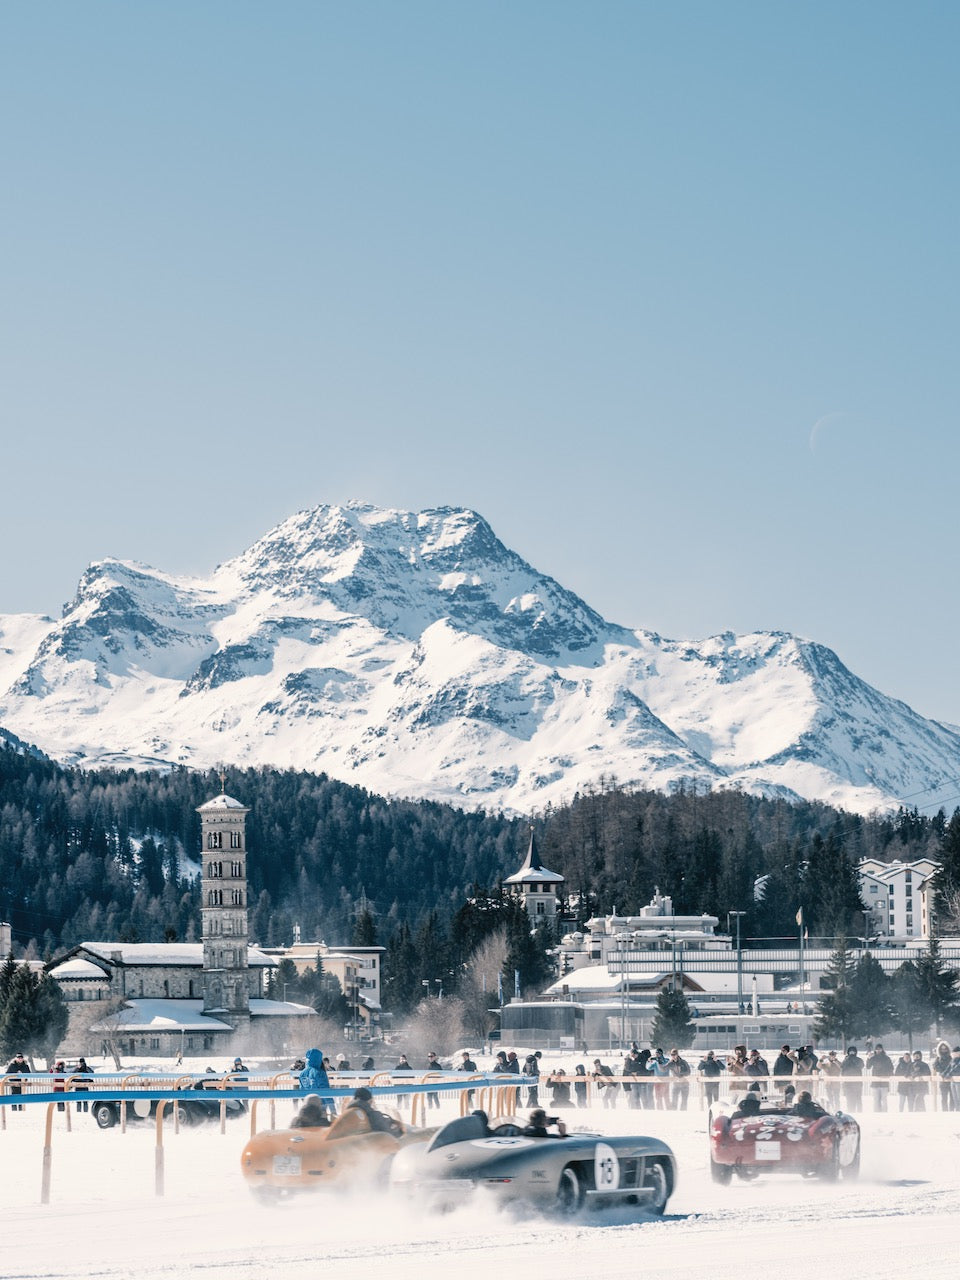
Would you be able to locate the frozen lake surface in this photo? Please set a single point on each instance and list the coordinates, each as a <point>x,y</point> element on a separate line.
<point>902,1218</point>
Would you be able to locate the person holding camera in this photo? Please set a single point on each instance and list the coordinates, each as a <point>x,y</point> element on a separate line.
<point>539,1125</point>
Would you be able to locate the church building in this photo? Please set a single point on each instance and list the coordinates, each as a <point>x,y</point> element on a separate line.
<point>164,998</point>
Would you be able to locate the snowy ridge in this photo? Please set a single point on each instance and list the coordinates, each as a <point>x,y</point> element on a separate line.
<point>414,654</point>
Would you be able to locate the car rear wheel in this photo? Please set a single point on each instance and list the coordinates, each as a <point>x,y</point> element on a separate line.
<point>830,1170</point>
<point>104,1115</point>
<point>569,1191</point>
<point>721,1173</point>
<point>656,1179</point>
<point>851,1171</point>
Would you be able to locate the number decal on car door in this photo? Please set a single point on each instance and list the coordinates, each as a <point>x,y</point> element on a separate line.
<point>606,1167</point>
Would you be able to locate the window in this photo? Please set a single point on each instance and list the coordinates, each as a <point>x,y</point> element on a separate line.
<point>874,888</point>
<point>215,898</point>
<point>236,869</point>
<point>215,840</point>
<point>238,898</point>
<point>215,870</point>
<point>235,840</point>
<point>541,908</point>
<point>154,1042</point>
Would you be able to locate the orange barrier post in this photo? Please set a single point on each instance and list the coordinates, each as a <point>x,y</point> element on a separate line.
<point>47,1155</point>
<point>178,1083</point>
<point>282,1075</point>
<point>253,1117</point>
<point>465,1095</point>
<point>158,1151</point>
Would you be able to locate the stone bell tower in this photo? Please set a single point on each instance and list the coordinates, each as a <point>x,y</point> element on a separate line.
<point>223,843</point>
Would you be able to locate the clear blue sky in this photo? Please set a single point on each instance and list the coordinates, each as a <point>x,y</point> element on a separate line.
<point>668,292</point>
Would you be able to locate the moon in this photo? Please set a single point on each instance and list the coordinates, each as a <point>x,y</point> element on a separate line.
<point>823,424</point>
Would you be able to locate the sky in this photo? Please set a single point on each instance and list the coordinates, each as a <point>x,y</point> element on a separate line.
<point>668,293</point>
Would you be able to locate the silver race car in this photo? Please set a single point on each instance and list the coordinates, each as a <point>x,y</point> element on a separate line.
<point>551,1172</point>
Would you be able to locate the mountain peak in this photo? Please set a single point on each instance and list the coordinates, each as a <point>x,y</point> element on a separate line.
<point>414,653</point>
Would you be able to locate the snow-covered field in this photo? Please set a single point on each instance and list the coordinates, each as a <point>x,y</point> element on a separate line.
<point>901,1219</point>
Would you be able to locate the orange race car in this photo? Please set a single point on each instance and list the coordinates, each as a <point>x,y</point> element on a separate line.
<point>359,1144</point>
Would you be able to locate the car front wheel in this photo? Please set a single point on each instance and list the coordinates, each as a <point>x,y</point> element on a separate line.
<point>569,1191</point>
<point>266,1195</point>
<point>656,1180</point>
<point>104,1115</point>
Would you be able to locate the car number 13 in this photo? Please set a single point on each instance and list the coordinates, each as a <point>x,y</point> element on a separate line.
<point>606,1167</point>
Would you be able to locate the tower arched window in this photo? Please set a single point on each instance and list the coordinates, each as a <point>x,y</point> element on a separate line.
<point>215,840</point>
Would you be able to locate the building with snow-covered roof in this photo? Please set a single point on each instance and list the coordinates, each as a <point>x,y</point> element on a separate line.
<point>538,887</point>
<point>898,897</point>
<point>656,927</point>
<point>108,985</point>
<point>357,969</point>
<point>170,997</point>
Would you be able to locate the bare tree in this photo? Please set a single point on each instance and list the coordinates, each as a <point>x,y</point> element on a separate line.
<point>109,1026</point>
<point>478,986</point>
<point>437,1025</point>
<point>948,917</point>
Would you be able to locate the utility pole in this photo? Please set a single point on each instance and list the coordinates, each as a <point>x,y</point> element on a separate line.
<point>739,915</point>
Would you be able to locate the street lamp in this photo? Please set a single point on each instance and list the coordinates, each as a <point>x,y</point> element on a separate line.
<point>739,915</point>
<point>622,939</point>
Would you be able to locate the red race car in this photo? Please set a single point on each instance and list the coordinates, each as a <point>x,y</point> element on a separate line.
<point>759,1136</point>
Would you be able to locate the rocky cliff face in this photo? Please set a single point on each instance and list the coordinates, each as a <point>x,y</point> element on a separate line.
<point>413,653</point>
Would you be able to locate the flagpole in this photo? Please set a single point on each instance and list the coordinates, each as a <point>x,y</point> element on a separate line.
<point>803,976</point>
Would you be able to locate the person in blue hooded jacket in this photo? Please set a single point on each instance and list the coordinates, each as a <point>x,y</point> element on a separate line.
<point>313,1077</point>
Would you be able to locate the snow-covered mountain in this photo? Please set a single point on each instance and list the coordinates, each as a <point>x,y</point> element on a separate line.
<point>412,653</point>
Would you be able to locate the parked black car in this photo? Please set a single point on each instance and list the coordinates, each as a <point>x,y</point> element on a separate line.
<point>200,1103</point>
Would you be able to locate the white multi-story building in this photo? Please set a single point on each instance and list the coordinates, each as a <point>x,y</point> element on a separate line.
<point>898,897</point>
<point>357,969</point>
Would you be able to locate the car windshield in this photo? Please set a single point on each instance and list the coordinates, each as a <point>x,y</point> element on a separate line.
<point>461,1130</point>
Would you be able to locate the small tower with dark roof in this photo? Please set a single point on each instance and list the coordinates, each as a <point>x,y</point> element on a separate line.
<point>223,847</point>
<point>539,887</point>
